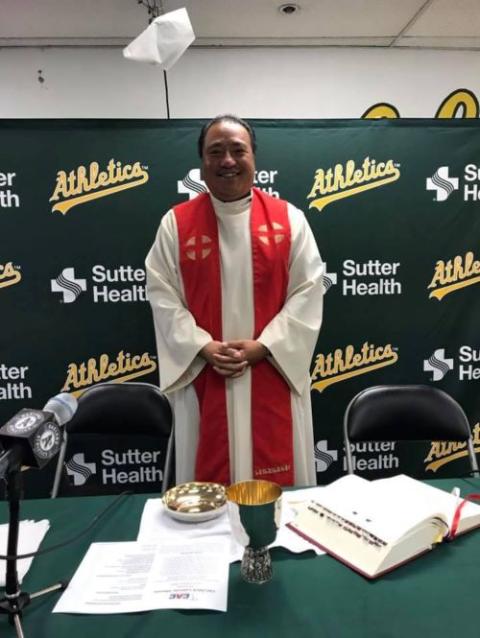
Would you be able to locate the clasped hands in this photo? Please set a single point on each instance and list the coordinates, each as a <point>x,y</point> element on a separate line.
<point>232,358</point>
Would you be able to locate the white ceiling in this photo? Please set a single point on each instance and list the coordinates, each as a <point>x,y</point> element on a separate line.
<point>387,23</point>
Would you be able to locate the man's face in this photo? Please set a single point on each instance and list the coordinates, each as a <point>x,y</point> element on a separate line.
<point>228,163</point>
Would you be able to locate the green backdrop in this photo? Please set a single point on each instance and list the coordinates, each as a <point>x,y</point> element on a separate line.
<point>393,205</point>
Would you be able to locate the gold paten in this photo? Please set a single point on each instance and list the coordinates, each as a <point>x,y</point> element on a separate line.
<point>195,497</point>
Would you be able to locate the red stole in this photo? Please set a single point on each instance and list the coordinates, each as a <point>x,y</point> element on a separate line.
<point>271,414</point>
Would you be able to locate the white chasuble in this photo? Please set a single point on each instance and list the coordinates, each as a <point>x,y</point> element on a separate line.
<point>290,336</point>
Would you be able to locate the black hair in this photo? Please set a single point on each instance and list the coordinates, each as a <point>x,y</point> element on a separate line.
<point>226,118</point>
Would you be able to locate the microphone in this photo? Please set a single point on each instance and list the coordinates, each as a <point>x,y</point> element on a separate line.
<point>32,437</point>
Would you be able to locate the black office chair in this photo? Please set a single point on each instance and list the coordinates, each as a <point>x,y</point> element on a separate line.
<point>117,425</point>
<point>405,413</point>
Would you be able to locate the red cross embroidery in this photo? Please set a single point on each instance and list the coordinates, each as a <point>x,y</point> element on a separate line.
<point>198,249</point>
<point>266,235</point>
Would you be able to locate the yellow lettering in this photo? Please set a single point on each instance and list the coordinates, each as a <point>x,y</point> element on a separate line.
<point>460,101</point>
<point>85,184</point>
<point>72,378</point>
<point>349,363</point>
<point>9,275</point>
<point>380,111</point>
<point>61,188</point>
<point>122,369</point>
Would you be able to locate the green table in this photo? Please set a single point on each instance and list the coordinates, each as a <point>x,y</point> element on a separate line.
<point>309,596</point>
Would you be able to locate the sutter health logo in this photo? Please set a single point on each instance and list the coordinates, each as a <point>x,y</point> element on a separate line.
<point>454,274</point>
<point>192,184</point>
<point>124,367</point>
<point>84,184</point>
<point>9,274</point>
<point>123,284</point>
<point>346,180</point>
<point>131,466</point>
<point>444,184</point>
<point>14,382</point>
<point>367,456</point>
<point>323,456</point>
<point>345,363</point>
<point>438,364</point>
<point>370,278</point>
<point>79,470</point>
<point>444,452</point>
<point>8,199</point>
<point>466,363</point>
<point>68,285</point>
<point>329,279</point>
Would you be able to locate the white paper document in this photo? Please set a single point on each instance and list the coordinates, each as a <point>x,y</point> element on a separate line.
<point>158,526</point>
<point>30,535</point>
<point>125,577</point>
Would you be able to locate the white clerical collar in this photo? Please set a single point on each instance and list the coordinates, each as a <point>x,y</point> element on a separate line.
<point>231,208</point>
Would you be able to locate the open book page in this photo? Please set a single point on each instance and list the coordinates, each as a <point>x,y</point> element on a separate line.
<point>423,497</point>
<point>386,510</point>
<point>374,526</point>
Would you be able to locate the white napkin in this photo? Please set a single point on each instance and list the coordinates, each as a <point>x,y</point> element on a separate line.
<point>157,525</point>
<point>30,536</point>
<point>163,41</point>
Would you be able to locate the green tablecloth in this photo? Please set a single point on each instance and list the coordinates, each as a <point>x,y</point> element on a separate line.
<point>309,596</point>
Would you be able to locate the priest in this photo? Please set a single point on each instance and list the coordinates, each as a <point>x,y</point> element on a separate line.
<point>234,278</point>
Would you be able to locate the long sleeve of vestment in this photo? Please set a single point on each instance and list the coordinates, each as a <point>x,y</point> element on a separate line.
<point>292,334</point>
<point>179,339</point>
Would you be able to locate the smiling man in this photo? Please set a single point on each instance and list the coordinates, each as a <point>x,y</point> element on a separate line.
<point>234,279</point>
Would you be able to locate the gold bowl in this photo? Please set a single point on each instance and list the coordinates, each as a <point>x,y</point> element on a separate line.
<point>195,501</point>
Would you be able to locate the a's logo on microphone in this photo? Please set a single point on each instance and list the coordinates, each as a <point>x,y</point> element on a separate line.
<point>70,287</point>
<point>48,441</point>
<point>27,421</point>
<point>442,183</point>
<point>438,364</point>
<point>79,469</point>
<point>192,184</point>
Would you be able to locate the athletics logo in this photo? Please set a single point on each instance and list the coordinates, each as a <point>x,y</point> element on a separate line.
<point>323,456</point>
<point>438,364</point>
<point>68,285</point>
<point>454,274</point>
<point>441,182</point>
<point>329,279</point>
<point>79,470</point>
<point>343,181</point>
<point>192,184</point>
<point>86,183</point>
<point>9,275</point>
<point>443,452</point>
<point>343,364</point>
<point>124,367</point>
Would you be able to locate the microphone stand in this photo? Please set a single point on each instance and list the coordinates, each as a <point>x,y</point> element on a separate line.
<point>15,600</point>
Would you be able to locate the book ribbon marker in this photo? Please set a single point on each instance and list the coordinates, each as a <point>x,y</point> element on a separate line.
<point>458,514</point>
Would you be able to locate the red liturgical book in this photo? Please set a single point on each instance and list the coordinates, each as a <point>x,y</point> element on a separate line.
<point>376,526</point>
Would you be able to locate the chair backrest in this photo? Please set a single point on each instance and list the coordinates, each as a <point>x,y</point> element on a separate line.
<point>122,408</point>
<point>120,438</point>
<point>405,413</point>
